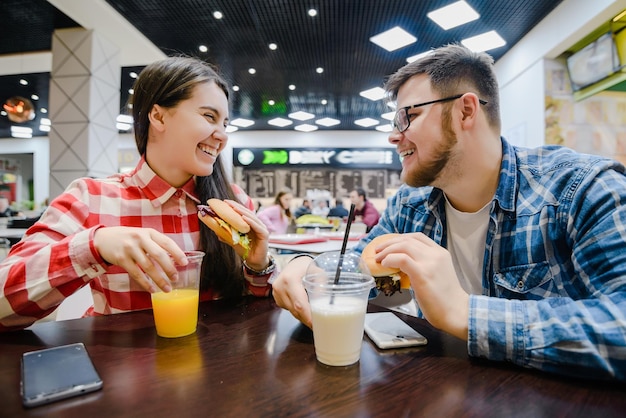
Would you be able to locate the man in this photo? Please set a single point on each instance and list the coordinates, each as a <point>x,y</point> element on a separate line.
<point>364,210</point>
<point>519,252</point>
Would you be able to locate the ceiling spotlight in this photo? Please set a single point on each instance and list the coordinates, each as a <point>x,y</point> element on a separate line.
<point>305,127</point>
<point>271,102</point>
<point>324,102</point>
<point>43,110</point>
<point>23,82</point>
<point>132,74</point>
<point>273,46</point>
<point>235,88</point>
<point>312,12</point>
<point>319,70</point>
<point>292,87</point>
<point>131,91</point>
<point>252,70</point>
<point>300,115</point>
<point>218,15</point>
<point>34,97</point>
<point>203,48</point>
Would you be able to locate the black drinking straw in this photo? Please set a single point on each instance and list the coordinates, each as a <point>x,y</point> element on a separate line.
<point>345,243</point>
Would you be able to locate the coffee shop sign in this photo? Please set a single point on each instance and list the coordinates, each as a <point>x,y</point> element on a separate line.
<point>318,157</point>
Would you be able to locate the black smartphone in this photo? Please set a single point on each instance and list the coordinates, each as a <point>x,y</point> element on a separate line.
<point>56,373</point>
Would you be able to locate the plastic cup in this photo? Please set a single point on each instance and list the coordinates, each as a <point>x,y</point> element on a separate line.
<point>176,312</point>
<point>338,309</point>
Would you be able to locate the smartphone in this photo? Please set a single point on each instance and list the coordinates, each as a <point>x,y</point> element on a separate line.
<point>386,330</point>
<point>56,373</point>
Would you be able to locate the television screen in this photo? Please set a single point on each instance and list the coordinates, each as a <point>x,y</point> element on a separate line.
<point>594,62</point>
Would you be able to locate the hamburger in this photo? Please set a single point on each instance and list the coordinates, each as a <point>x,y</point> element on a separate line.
<point>226,223</point>
<point>389,280</point>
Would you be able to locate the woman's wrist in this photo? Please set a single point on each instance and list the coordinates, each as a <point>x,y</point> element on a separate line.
<point>268,267</point>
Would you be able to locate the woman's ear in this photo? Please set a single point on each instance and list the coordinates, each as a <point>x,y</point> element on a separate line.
<point>156,117</point>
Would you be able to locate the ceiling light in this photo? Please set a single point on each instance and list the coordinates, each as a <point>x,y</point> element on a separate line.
<point>235,88</point>
<point>271,102</point>
<point>385,127</point>
<point>241,122</point>
<point>300,115</point>
<point>312,12</point>
<point>45,121</point>
<point>34,97</point>
<point>366,122</point>
<point>43,110</point>
<point>120,118</point>
<point>252,70</point>
<point>453,15</point>
<point>217,14</point>
<point>305,127</point>
<point>373,94</point>
<point>486,41</point>
<point>319,70</point>
<point>21,132</point>
<point>388,115</point>
<point>324,102</point>
<point>44,128</point>
<point>393,39</point>
<point>203,48</point>
<point>131,91</point>
<point>230,129</point>
<point>123,126</point>
<point>23,82</point>
<point>132,74</point>
<point>280,122</point>
<point>292,87</point>
<point>327,122</point>
<point>273,46</point>
<point>418,56</point>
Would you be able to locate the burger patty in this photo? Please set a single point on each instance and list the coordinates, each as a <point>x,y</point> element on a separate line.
<point>388,284</point>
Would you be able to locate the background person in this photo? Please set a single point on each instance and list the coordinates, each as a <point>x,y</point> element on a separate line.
<point>277,217</point>
<point>364,210</point>
<point>304,209</point>
<point>117,234</point>
<point>520,252</point>
<point>338,210</point>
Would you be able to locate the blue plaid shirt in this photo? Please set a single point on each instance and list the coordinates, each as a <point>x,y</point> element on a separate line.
<point>554,270</point>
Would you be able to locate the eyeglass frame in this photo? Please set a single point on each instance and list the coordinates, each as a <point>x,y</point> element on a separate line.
<point>406,109</point>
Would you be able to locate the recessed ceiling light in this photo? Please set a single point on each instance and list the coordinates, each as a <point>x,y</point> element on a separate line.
<point>280,122</point>
<point>235,88</point>
<point>324,102</point>
<point>418,56</point>
<point>312,12</point>
<point>34,97</point>
<point>305,127</point>
<point>300,115</point>
<point>292,87</point>
<point>453,15</point>
<point>218,15</point>
<point>388,115</point>
<point>252,70</point>
<point>121,118</point>
<point>132,74</point>
<point>123,126</point>
<point>366,122</point>
<point>231,128</point>
<point>131,91</point>
<point>271,102</point>
<point>203,48</point>
<point>373,94</point>
<point>45,128</point>
<point>23,82</point>
<point>394,38</point>
<point>328,122</point>
<point>273,46</point>
<point>43,110</point>
<point>241,122</point>
<point>46,121</point>
<point>484,42</point>
<point>385,127</point>
<point>319,70</point>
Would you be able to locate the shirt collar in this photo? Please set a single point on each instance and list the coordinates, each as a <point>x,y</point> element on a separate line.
<point>158,190</point>
<point>507,183</point>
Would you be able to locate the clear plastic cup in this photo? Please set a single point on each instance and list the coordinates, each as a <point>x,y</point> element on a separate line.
<point>176,312</point>
<point>338,308</point>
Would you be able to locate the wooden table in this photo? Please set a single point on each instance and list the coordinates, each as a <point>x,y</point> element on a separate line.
<point>256,360</point>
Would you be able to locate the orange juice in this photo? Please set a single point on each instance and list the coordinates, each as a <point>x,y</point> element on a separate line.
<point>176,312</point>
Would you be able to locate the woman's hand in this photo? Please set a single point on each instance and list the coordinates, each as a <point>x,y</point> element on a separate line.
<point>146,254</point>
<point>257,257</point>
<point>288,290</point>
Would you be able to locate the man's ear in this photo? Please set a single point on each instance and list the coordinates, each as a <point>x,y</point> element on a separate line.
<point>156,117</point>
<point>469,110</point>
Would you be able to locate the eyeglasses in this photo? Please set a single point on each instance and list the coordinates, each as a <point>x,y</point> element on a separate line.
<point>401,120</point>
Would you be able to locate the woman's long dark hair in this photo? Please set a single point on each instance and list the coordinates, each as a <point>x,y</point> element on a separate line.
<point>167,83</point>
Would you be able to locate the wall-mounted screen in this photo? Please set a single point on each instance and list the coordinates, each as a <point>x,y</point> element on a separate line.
<point>593,63</point>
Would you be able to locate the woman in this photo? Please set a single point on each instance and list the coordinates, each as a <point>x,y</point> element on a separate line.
<point>278,216</point>
<point>122,235</point>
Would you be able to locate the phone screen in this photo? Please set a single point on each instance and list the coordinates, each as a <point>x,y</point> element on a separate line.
<point>57,373</point>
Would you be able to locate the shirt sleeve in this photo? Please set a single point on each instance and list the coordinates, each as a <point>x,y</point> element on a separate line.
<point>580,331</point>
<point>55,258</point>
<point>370,215</point>
<point>270,216</point>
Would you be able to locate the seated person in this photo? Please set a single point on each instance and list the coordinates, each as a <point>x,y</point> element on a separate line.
<point>304,209</point>
<point>338,210</point>
<point>320,208</point>
<point>277,217</point>
<point>364,210</point>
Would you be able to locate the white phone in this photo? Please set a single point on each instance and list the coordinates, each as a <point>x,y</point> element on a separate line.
<point>57,373</point>
<point>386,330</point>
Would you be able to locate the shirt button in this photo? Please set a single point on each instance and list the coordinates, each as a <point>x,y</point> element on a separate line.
<point>520,284</point>
<point>179,214</point>
<point>178,193</point>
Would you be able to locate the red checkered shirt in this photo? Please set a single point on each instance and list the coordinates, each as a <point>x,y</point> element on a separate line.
<point>56,256</point>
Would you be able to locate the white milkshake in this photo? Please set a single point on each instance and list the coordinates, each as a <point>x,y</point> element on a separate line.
<point>338,329</point>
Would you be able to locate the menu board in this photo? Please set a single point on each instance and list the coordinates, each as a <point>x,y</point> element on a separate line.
<point>265,183</point>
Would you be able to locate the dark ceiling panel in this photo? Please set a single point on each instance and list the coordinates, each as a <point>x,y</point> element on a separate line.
<point>337,39</point>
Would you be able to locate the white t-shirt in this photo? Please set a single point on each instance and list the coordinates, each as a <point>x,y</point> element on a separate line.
<point>467,233</point>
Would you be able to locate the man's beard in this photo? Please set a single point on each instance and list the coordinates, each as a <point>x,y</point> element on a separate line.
<point>428,173</point>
